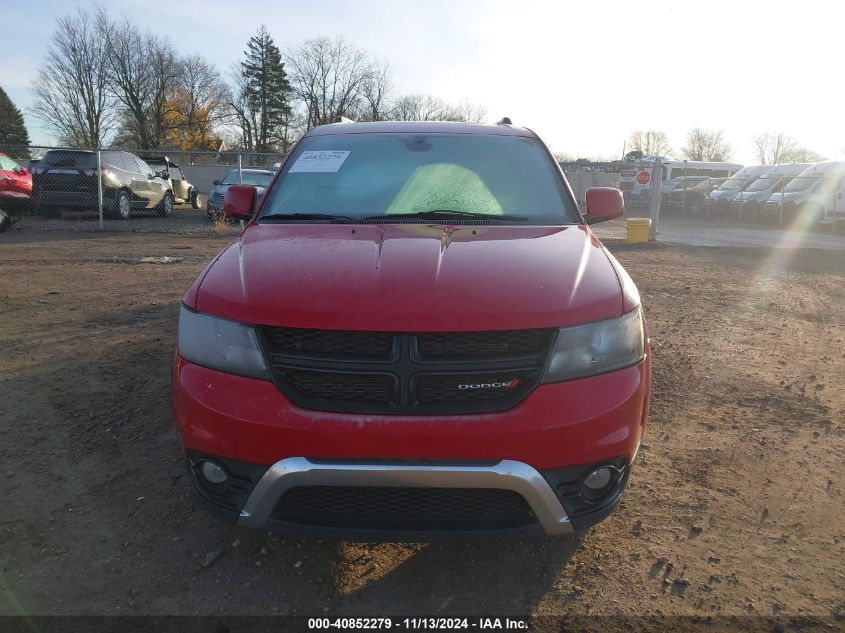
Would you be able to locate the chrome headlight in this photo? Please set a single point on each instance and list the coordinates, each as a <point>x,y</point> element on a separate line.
<point>220,344</point>
<point>596,348</point>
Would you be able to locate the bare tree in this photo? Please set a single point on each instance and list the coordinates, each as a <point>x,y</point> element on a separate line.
<point>143,77</point>
<point>773,148</point>
<point>328,76</point>
<point>649,142</point>
<point>420,107</point>
<point>375,92</point>
<point>706,145</point>
<point>470,112</point>
<point>803,155</point>
<point>71,88</point>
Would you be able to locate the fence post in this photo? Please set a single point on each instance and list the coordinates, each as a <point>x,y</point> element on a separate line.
<point>99,188</point>
<point>241,181</point>
<point>656,191</point>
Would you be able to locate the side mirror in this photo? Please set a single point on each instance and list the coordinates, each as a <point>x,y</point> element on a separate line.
<point>603,204</point>
<point>239,202</point>
<point>215,183</point>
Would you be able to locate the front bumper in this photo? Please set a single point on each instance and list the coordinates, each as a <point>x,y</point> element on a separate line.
<point>541,448</point>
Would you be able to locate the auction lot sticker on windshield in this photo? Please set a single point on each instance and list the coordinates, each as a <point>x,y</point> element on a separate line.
<point>319,161</point>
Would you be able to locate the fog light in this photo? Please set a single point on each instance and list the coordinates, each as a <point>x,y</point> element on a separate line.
<point>599,478</point>
<point>213,473</point>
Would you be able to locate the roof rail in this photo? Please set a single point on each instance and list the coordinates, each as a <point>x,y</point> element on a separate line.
<point>504,121</point>
<point>342,119</point>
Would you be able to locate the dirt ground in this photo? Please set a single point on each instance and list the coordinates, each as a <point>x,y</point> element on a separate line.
<point>736,504</point>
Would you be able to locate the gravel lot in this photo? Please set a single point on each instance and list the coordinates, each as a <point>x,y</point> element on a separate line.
<point>736,504</point>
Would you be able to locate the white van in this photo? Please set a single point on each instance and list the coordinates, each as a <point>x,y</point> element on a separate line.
<point>818,193</point>
<point>720,198</point>
<point>754,196</point>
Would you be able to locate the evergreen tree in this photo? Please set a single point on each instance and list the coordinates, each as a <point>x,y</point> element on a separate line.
<point>12,129</point>
<point>264,110</point>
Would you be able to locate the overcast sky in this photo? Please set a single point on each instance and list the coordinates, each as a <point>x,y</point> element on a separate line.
<point>582,74</point>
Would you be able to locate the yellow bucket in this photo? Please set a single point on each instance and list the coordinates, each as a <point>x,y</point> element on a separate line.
<point>638,230</point>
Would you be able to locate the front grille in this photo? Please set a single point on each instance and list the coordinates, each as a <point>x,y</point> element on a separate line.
<point>413,374</point>
<point>387,508</point>
<point>444,344</point>
<point>467,387</point>
<point>337,386</point>
<point>331,342</point>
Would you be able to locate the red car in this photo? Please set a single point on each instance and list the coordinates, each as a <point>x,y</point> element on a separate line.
<point>15,185</point>
<point>416,335</point>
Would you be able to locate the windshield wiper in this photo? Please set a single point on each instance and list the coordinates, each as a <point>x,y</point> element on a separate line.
<point>308,216</point>
<point>440,214</point>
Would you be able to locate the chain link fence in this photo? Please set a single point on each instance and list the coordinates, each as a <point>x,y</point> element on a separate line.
<point>769,199</point>
<point>638,196</point>
<point>182,191</point>
<point>136,191</point>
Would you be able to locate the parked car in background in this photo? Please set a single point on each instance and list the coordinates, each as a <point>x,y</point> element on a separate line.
<point>817,193</point>
<point>719,199</point>
<point>417,335</point>
<point>67,179</point>
<point>692,199</point>
<point>754,196</point>
<point>258,178</point>
<point>15,186</point>
<point>183,191</point>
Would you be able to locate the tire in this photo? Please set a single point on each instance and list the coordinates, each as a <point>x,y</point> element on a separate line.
<point>165,207</point>
<point>45,210</point>
<point>194,197</point>
<point>695,207</point>
<point>810,213</point>
<point>122,205</point>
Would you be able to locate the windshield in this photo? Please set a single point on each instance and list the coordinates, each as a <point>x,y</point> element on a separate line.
<point>801,183</point>
<point>254,178</point>
<point>7,164</point>
<point>764,184</point>
<point>76,160</point>
<point>377,175</point>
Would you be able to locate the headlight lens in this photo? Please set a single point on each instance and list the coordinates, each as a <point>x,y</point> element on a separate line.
<point>220,344</point>
<point>596,348</point>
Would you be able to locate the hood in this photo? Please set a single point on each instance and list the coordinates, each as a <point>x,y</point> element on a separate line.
<point>754,196</point>
<point>718,194</point>
<point>412,277</point>
<point>221,189</point>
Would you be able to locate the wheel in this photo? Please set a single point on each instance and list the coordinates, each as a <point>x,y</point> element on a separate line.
<point>810,213</point>
<point>165,208</point>
<point>45,210</point>
<point>694,207</point>
<point>194,197</point>
<point>123,205</point>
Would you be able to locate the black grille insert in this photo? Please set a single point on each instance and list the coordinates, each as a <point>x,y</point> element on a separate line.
<point>341,386</point>
<point>415,373</point>
<point>468,387</point>
<point>331,342</point>
<point>386,508</point>
<point>512,342</point>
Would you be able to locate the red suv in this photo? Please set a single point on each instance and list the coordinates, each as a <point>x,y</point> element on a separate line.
<point>417,334</point>
<point>15,185</point>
